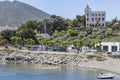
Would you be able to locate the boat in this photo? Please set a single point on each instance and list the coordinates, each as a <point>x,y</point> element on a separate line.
<point>105,76</point>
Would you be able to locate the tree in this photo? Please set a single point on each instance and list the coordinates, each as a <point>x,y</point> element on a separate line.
<point>71,32</point>
<point>16,40</point>
<point>65,45</point>
<point>29,41</point>
<point>95,42</point>
<point>80,43</point>
<point>7,34</point>
<point>116,26</point>
<point>69,22</point>
<point>79,21</point>
<point>26,33</point>
<point>4,41</point>
<point>56,32</point>
<point>30,24</point>
<point>56,23</point>
<point>89,30</point>
<point>112,22</point>
<point>75,42</point>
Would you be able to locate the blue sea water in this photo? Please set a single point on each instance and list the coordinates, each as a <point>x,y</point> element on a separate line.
<point>8,72</point>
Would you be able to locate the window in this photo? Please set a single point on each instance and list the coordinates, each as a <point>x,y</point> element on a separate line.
<point>96,25</point>
<point>99,24</point>
<point>95,14</point>
<point>87,14</point>
<point>114,48</point>
<point>92,19</point>
<point>102,14</point>
<point>103,24</point>
<point>99,19</point>
<point>103,19</point>
<point>92,14</point>
<point>99,14</point>
<point>105,48</point>
<point>87,19</point>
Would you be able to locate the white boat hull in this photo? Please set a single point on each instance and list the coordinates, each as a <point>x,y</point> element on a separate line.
<point>105,76</point>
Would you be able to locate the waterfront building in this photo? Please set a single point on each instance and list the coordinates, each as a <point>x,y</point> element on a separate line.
<point>95,18</point>
<point>71,49</point>
<point>110,46</point>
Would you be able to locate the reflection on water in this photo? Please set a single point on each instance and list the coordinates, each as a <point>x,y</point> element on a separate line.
<point>25,72</point>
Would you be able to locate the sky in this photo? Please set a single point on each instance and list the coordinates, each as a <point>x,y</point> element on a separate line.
<point>71,8</point>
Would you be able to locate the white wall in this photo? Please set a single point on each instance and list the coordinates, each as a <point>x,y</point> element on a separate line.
<point>110,44</point>
<point>8,28</point>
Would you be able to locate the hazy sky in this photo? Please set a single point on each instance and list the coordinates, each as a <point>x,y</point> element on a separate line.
<point>71,8</point>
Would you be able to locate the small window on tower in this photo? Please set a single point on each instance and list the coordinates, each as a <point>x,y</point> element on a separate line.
<point>87,19</point>
<point>103,24</point>
<point>92,19</point>
<point>99,19</point>
<point>92,24</point>
<point>99,24</point>
<point>103,19</point>
<point>87,14</point>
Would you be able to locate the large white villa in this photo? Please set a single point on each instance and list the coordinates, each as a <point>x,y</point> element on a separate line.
<point>95,18</point>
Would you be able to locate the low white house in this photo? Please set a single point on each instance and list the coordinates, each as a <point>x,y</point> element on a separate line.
<point>110,46</point>
<point>36,47</point>
<point>71,49</point>
<point>8,28</point>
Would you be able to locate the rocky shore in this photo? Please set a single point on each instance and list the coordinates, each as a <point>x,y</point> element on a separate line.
<point>58,61</point>
<point>7,56</point>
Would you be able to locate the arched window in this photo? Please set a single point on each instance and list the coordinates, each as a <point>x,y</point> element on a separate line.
<point>87,19</point>
<point>103,19</point>
<point>92,19</point>
<point>103,24</point>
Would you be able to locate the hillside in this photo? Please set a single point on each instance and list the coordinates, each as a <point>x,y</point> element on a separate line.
<point>13,13</point>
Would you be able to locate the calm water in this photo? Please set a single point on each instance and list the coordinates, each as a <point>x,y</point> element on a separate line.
<point>12,72</point>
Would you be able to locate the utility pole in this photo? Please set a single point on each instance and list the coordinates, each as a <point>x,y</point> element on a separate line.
<point>45,28</point>
<point>44,24</point>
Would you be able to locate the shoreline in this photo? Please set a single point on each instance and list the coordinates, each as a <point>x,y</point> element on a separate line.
<point>56,61</point>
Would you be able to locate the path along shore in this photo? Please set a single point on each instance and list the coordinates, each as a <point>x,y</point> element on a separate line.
<point>56,60</point>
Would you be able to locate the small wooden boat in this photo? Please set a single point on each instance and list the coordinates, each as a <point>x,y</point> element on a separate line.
<point>105,76</point>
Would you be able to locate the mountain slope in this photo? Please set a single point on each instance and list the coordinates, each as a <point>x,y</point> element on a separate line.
<point>13,13</point>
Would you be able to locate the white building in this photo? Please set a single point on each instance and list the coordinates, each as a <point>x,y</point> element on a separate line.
<point>110,46</point>
<point>8,28</point>
<point>71,49</point>
<point>95,18</point>
<point>38,47</point>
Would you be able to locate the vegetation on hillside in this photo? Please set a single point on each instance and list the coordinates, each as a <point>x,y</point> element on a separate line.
<point>63,32</point>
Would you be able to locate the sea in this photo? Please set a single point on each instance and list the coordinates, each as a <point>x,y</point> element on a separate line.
<point>20,72</point>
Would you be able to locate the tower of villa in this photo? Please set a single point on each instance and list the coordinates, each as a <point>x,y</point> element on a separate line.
<point>95,18</point>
